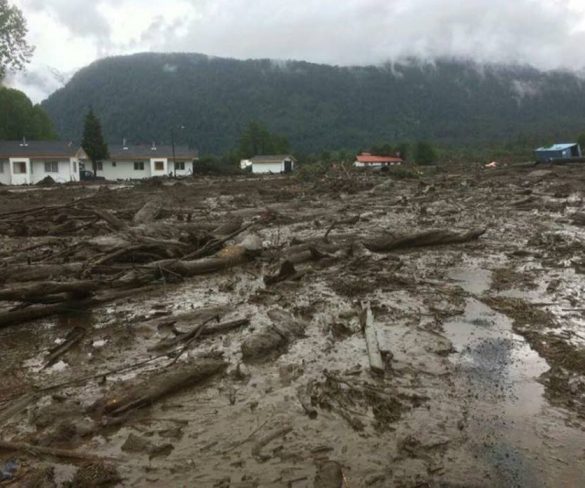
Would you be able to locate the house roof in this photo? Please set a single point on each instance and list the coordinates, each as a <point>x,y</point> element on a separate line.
<point>558,147</point>
<point>147,151</point>
<point>368,158</point>
<point>271,158</point>
<point>37,149</point>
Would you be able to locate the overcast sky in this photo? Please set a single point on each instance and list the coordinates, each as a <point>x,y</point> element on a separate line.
<point>69,34</point>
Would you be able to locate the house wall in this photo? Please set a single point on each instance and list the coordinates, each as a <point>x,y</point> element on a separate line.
<point>260,168</point>
<point>124,170</point>
<point>21,178</point>
<point>154,171</point>
<point>185,172</point>
<point>64,174</point>
<point>5,172</point>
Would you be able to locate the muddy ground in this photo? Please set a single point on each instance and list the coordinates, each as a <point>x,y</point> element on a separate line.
<point>483,342</point>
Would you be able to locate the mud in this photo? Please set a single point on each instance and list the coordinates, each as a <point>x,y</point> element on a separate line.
<point>483,341</point>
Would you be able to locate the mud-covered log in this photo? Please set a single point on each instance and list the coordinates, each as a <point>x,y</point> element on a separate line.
<point>73,306</point>
<point>130,397</point>
<point>39,272</point>
<point>374,354</point>
<point>34,291</point>
<point>435,237</point>
<point>149,212</point>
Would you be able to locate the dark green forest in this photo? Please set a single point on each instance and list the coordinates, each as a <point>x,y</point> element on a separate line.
<point>317,107</point>
<point>20,118</point>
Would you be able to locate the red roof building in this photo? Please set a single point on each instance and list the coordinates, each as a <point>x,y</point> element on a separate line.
<point>367,160</point>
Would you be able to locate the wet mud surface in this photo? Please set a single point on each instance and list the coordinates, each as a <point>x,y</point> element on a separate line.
<point>483,343</point>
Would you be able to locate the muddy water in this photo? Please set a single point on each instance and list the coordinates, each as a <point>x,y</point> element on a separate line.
<point>511,427</point>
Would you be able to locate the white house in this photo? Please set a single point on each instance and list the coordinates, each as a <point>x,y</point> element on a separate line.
<point>28,162</point>
<point>367,160</point>
<point>131,162</point>
<point>280,163</point>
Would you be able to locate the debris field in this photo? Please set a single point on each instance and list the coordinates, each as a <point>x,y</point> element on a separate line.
<point>393,329</point>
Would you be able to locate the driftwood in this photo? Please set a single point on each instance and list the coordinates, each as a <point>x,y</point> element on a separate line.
<point>32,291</point>
<point>40,272</point>
<point>47,451</point>
<point>374,354</point>
<point>149,212</point>
<point>73,338</point>
<point>275,338</point>
<point>72,306</point>
<point>435,237</point>
<point>132,397</point>
<point>267,439</point>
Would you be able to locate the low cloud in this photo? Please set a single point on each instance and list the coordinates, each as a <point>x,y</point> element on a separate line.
<point>547,34</point>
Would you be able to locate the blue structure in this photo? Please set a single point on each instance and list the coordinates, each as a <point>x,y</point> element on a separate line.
<point>558,151</point>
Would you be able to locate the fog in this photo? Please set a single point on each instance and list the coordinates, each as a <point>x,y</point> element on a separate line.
<point>68,34</point>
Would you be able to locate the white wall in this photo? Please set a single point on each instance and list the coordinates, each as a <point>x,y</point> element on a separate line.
<point>123,170</point>
<point>5,172</point>
<point>38,172</point>
<point>259,168</point>
<point>162,172</point>
<point>22,178</point>
<point>185,172</point>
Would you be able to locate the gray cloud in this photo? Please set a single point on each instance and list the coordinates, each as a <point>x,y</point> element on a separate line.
<point>548,34</point>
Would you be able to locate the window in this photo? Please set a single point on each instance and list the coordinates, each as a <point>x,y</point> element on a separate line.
<point>75,166</point>
<point>180,166</point>
<point>100,166</point>
<point>159,166</point>
<point>19,168</point>
<point>2,165</point>
<point>138,165</point>
<point>114,164</point>
<point>51,166</point>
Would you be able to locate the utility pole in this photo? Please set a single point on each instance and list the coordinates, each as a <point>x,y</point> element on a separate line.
<point>173,144</point>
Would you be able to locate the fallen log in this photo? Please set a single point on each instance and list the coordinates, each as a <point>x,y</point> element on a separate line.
<point>149,212</point>
<point>374,354</point>
<point>33,291</point>
<point>264,441</point>
<point>434,237</point>
<point>130,397</point>
<point>48,451</point>
<point>73,306</point>
<point>39,272</point>
<point>73,338</point>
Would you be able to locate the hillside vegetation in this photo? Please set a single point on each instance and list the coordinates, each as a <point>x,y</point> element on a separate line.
<point>141,97</point>
<point>20,118</point>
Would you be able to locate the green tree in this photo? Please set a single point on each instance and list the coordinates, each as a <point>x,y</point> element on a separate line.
<point>14,50</point>
<point>20,118</point>
<point>93,141</point>
<point>257,140</point>
<point>581,141</point>
<point>425,153</point>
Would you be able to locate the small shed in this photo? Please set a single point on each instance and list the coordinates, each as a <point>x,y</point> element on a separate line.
<point>558,151</point>
<point>280,163</point>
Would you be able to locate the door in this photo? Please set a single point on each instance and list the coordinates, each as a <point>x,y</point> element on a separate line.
<point>287,166</point>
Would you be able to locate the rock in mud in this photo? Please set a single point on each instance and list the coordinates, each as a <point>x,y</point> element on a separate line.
<point>274,339</point>
<point>329,475</point>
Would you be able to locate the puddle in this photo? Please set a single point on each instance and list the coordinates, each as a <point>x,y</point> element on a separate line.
<point>472,280</point>
<point>509,423</point>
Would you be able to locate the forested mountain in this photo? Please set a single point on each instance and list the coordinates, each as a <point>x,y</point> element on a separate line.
<point>141,97</point>
<point>20,118</point>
